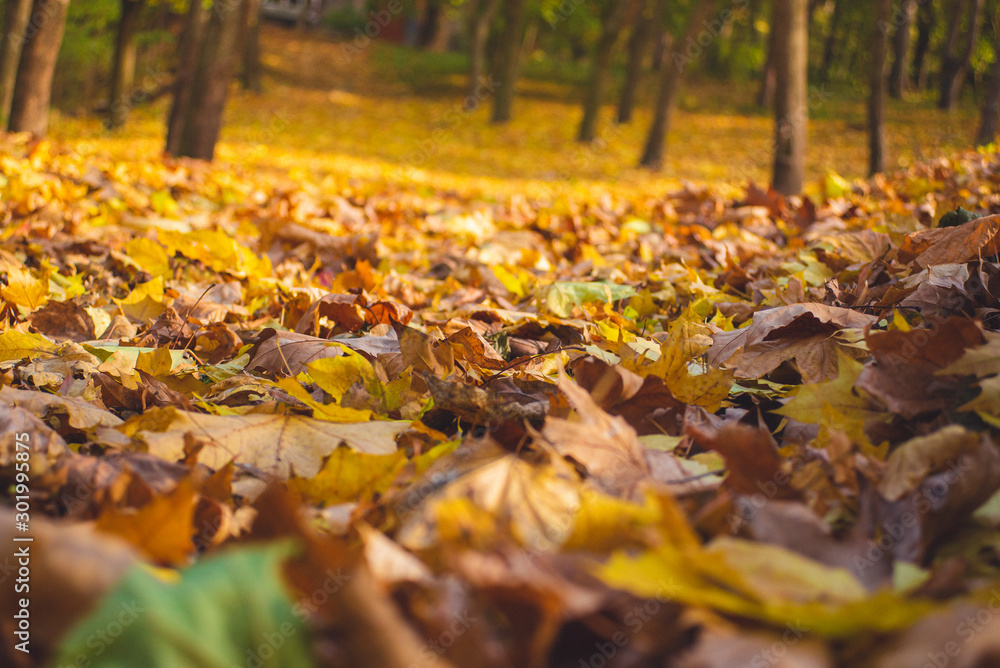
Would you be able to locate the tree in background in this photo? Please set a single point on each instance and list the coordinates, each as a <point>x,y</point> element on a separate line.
<point>123,69</point>
<point>987,132</point>
<point>877,87</point>
<point>509,58</point>
<point>926,18</point>
<point>251,70</point>
<point>187,50</point>
<point>643,31</point>
<point>958,49</point>
<point>765,94</point>
<point>671,74</point>
<point>16,16</point>
<point>29,111</point>
<point>480,18</point>
<point>791,52</point>
<point>208,87</point>
<point>902,17</point>
<point>612,21</point>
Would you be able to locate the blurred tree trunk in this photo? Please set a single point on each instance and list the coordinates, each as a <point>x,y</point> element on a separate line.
<point>790,96</point>
<point>15,22</point>
<point>430,24</point>
<point>481,13</point>
<point>29,111</point>
<point>830,46</point>
<point>600,69</point>
<point>925,26</point>
<point>643,29</point>
<point>217,57</point>
<point>123,70</point>
<point>187,48</point>
<point>955,61</point>
<point>671,74</point>
<point>902,18</point>
<point>991,105</point>
<point>251,72</point>
<point>765,94</point>
<point>510,58</point>
<point>877,88</point>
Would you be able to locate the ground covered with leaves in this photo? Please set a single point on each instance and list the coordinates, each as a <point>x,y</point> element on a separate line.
<point>278,417</point>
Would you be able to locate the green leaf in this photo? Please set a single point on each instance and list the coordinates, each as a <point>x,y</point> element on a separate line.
<point>561,297</point>
<point>231,610</point>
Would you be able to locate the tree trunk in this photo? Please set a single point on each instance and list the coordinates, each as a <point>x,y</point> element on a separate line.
<point>210,83</point>
<point>251,72</point>
<point>638,46</point>
<point>510,59</point>
<point>955,62</point>
<point>765,94</point>
<point>430,24</point>
<point>29,111</point>
<point>925,26</point>
<point>670,79</point>
<point>14,25</point>
<point>188,49</point>
<point>830,46</point>
<point>991,105</point>
<point>123,71</point>
<point>902,17</point>
<point>790,96</point>
<point>877,88</point>
<point>481,14</point>
<point>600,69</point>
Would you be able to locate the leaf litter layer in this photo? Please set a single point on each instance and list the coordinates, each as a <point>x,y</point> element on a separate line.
<point>275,422</point>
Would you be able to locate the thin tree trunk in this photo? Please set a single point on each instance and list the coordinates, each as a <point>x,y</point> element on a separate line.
<point>510,59</point>
<point>188,49</point>
<point>877,89</point>
<point>123,71</point>
<point>481,14</point>
<point>16,17</point>
<point>29,111</point>
<point>791,108</point>
<point>251,72</point>
<point>925,25</point>
<point>430,24</point>
<point>902,17</point>
<point>765,94</point>
<point>210,84</point>
<point>955,64</point>
<point>600,69</point>
<point>830,46</point>
<point>991,105</point>
<point>638,46</point>
<point>671,75</point>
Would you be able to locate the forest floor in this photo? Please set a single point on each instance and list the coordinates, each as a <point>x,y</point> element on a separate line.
<point>386,386</point>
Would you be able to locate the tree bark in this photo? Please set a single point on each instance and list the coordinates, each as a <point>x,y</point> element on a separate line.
<point>123,70</point>
<point>16,17</point>
<point>600,69</point>
<point>188,48</point>
<point>430,24</point>
<point>481,13</point>
<point>671,74</point>
<point>791,104</point>
<point>251,72</point>
<point>765,94</point>
<point>991,105</point>
<point>902,17</point>
<point>29,111</point>
<point>638,45</point>
<point>954,62</point>
<point>877,88</point>
<point>925,26</point>
<point>210,84</point>
<point>510,59</point>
